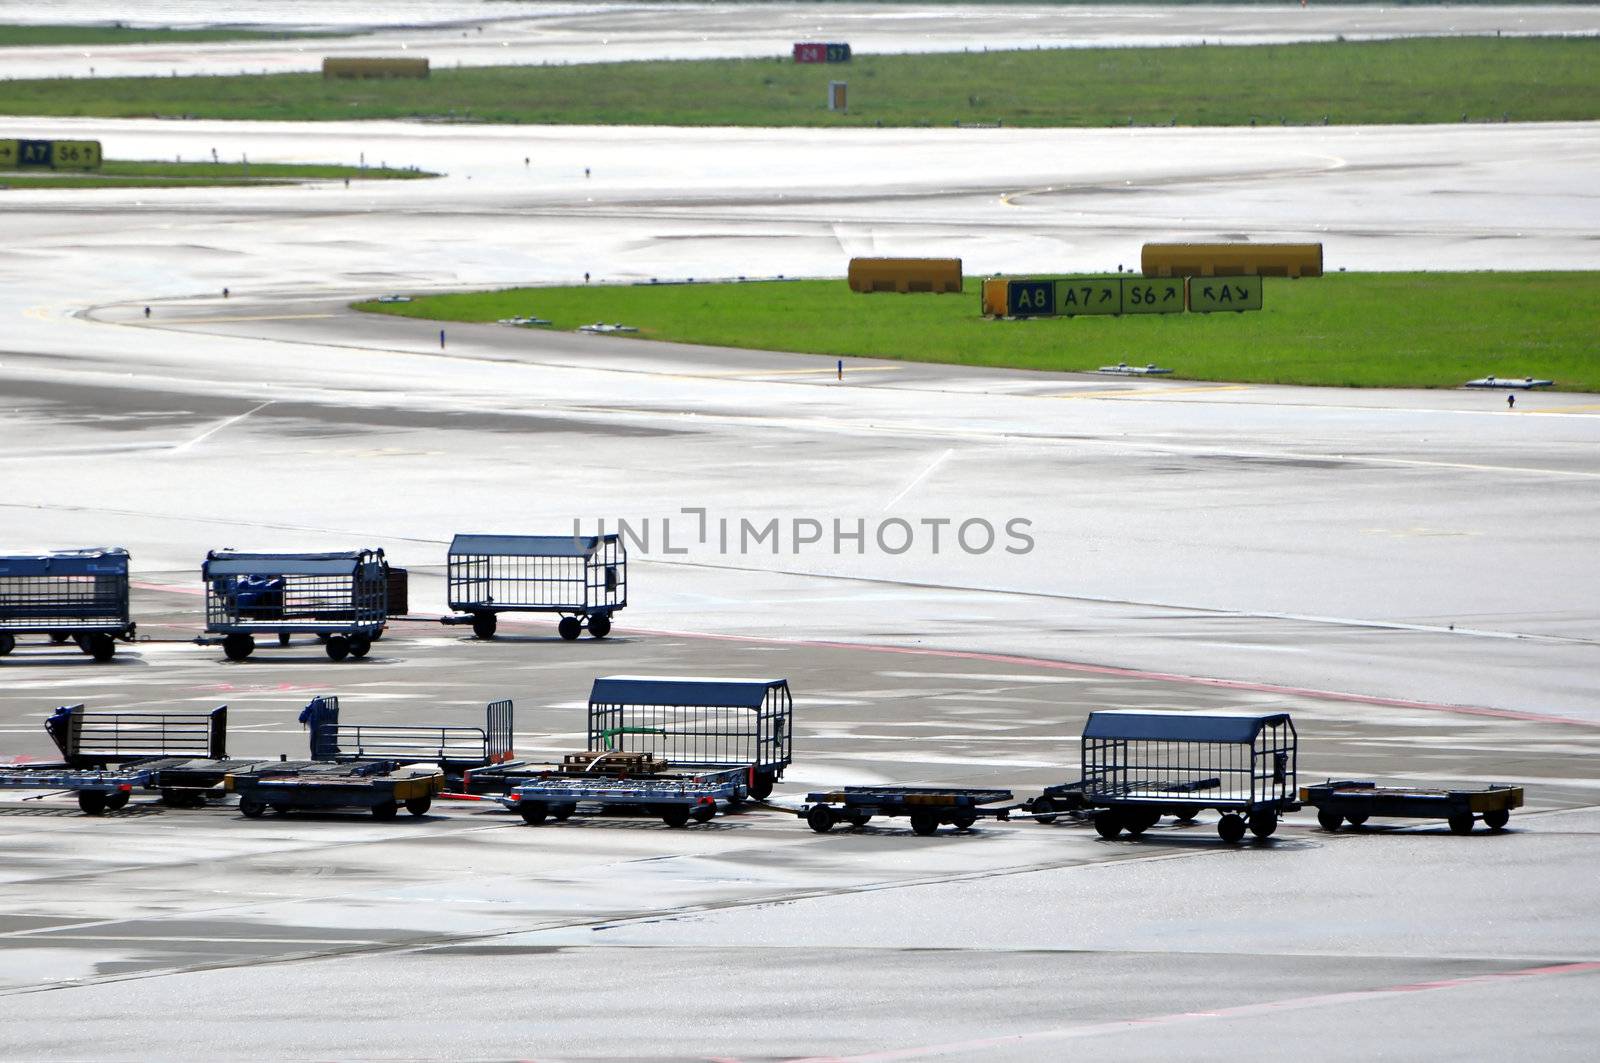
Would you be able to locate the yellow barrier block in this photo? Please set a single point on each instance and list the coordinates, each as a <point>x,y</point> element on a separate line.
<point>905,275</point>
<point>1232,260</point>
<point>994,297</point>
<point>356,67</point>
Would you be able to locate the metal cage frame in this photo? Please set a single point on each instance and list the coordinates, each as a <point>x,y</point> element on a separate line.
<point>73,592</point>
<point>572,575</point>
<point>1170,761</point>
<point>319,594</point>
<point>698,722</point>
<point>450,745</point>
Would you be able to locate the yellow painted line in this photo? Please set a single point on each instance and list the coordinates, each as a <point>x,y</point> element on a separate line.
<point>1568,409</point>
<point>255,317</point>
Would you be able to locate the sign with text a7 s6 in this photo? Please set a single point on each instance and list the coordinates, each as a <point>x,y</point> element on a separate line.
<point>1152,295</point>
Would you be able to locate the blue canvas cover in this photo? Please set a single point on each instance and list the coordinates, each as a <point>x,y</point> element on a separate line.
<point>526,545</point>
<point>98,561</point>
<point>682,691</point>
<point>1152,725</point>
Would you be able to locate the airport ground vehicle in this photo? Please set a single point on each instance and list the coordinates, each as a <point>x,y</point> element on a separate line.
<point>677,797</point>
<point>926,806</point>
<point>379,786</point>
<point>698,723</point>
<point>342,598</point>
<point>584,579</point>
<point>1139,765</point>
<point>1355,801</point>
<point>456,749</point>
<point>69,595</point>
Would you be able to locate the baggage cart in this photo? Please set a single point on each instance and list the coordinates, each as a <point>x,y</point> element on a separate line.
<point>704,722</point>
<point>1064,799</point>
<point>1355,801</point>
<point>583,578</point>
<point>342,598</point>
<point>927,806</point>
<point>71,595</point>
<point>675,797</point>
<point>379,786</point>
<point>455,749</point>
<point>1139,765</point>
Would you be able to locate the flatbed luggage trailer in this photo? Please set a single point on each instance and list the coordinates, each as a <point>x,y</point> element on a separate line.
<point>455,749</point>
<point>342,598</point>
<point>1354,801</point>
<point>927,806</point>
<point>583,578</point>
<point>675,797</point>
<point>1139,765</point>
<point>698,723</point>
<point>106,756</point>
<point>379,786</point>
<point>76,595</point>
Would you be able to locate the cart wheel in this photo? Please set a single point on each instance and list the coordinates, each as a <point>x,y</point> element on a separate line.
<point>963,820</point>
<point>283,638</point>
<point>761,785</point>
<point>1356,819</point>
<point>675,816</point>
<point>1329,819</point>
<point>102,647</point>
<point>599,625</point>
<point>562,813</point>
<point>1108,823</point>
<point>533,812</point>
<point>360,646</point>
<point>1231,827</point>
<point>1461,823</point>
<point>1496,819</point>
<point>483,625</point>
<point>252,807</point>
<point>7,643</point>
<point>703,813</point>
<point>418,806</point>
<point>1043,809</point>
<point>1185,815</point>
<point>924,823</point>
<point>860,821</point>
<point>92,802</point>
<point>338,647</point>
<point>385,810</point>
<point>117,801</point>
<point>237,647</point>
<point>820,818</point>
<point>570,627</point>
<point>1263,823</point>
<point>59,637</point>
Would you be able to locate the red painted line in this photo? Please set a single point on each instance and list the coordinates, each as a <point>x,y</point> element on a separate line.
<point>1135,673</point>
<point>1180,1018</point>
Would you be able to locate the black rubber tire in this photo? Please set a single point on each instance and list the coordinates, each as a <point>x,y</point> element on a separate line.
<point>1461,823</point>
<point>703,813</point>
<point>924,823</point>
<point>117,801</point>
<point>418,806</point>
<point>1185,815</point>
<point>570,627</point>
<point>283,638</point>
<point>1356,819</point>
<point>860,821</point>
<point>101,647</point>
<point>1329,819</point>
<point>1263,823</point>
<point>1108,823</point>
<point>483,625</point>
<point>385,810</point>
<point>59,638</point>
<point>1497,818</point>
<point>600,626</point>
<point>337,647</point>
<point>8,642</point>
<point>252,807</point>
<point>820,818</point>
<point>237,647</point>
<point>675,816</point>
<point>92,802</point>
<point>761,785</point>
<point>360,646</point>
<point>1043,809</point>
<point>1231,828</point>
<point>963,820</point>
<point>533,812</point>
<point>562,813</point>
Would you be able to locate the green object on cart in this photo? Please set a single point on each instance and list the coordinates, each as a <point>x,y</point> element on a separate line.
<point>610,733</point>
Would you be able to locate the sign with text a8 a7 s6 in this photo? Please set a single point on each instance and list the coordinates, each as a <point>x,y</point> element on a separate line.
<point>1152,295</point>
<point>1088,295</point>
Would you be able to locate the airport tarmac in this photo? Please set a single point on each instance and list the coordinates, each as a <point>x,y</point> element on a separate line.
<point>505,34</point>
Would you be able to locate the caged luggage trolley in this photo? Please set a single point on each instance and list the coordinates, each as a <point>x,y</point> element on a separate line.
<point>455,748</point>
<point>81,595</point>
<point>698,722</point>
<point>1139,765</point>
<point>584,578</point>
<point>342,598</point>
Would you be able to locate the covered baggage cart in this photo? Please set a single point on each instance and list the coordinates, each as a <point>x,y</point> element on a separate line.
<point>340,597</point>
<point>378,786</point>
<point>583,578</point>
<point>455,748</point>
<point>701,722</point>
<point>77,595</point>
<point>1139,765</point>
<point>926,806</point>
<point>1355,801</point>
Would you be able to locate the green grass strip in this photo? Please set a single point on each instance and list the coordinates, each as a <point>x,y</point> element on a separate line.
<point>115,174</point>
<point>40,36</point>
<point>1394,330</point>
